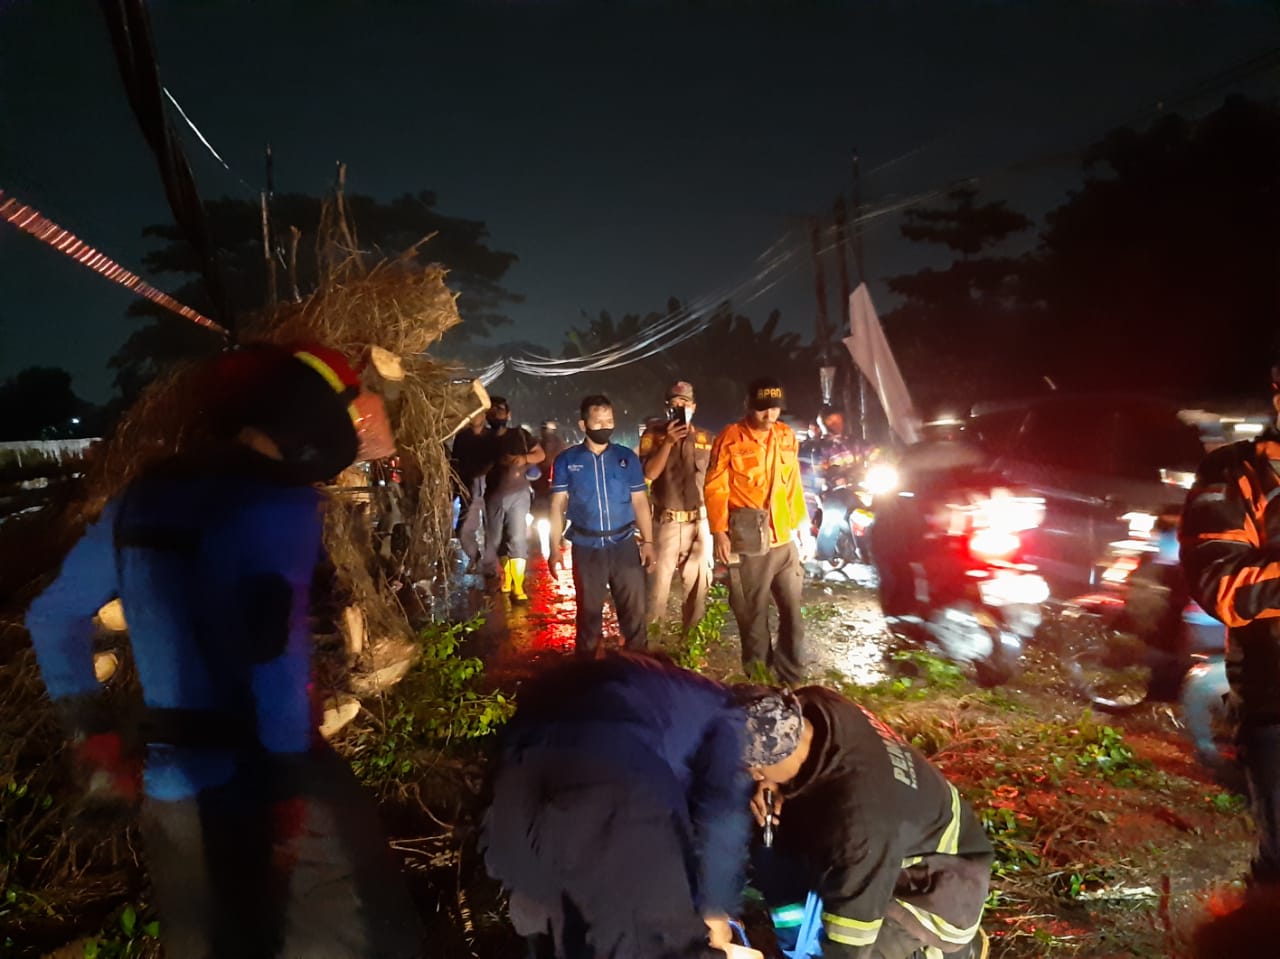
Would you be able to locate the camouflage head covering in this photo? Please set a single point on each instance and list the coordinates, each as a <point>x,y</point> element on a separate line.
<point>774,723</point>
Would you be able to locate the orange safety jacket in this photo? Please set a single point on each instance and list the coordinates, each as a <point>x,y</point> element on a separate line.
<point>757,471</point>
<point>1230,536</point>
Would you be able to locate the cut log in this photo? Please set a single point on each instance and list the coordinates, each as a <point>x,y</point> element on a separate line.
<point>111,617</point>
<point>338,711</point>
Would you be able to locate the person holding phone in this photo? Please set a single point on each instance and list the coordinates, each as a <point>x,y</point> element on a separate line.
<point>675,455</point>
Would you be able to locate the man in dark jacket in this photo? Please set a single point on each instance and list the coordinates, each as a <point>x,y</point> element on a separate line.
<point>471,456</point>
<point>1229,535</point>
<point>888,858</point>
<point>258,838</point>
<point>507,499</point>
<point>618,820</point>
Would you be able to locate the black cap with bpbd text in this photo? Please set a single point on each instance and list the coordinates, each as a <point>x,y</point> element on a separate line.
<point>764,394</point>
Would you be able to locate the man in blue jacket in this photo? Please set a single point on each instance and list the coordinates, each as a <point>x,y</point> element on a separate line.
<point>599,487</point>
<point>259,840</point>
<point>619,820</point>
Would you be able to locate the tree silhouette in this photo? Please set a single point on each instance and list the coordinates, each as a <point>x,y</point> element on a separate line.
<point>959,331</point>
<point>1160,272</point>
<point>383,229</point>
<point>38,403</point>
<point>965,227</point>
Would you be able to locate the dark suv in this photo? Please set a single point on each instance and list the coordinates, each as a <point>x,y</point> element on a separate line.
<point>1094,458</point>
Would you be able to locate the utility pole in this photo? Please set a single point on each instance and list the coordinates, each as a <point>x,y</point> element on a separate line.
<point>820,292</point>
<point>842,259</point>
<point>857,218</point>
<point>267,240</point>
<point>823,330</point>
<point>862,278</point>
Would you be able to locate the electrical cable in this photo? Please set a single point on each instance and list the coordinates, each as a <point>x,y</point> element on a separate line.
<point>32,221</point>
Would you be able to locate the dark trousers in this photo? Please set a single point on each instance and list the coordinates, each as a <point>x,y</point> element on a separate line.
<point>615,568</point>
<point>780,575</point>
<point>471,518</point>
<point>1260,754</point>
<point>299,870</point>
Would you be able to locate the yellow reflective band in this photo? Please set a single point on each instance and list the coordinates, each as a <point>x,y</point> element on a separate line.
<point>911,861</point>
<point>950,841</point>
<point>787,917</point>
<point>851,932</point>
<point>323,368</point>
<point>940,927</point>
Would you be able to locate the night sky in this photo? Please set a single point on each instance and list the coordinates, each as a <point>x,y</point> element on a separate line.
<point>625,151</point>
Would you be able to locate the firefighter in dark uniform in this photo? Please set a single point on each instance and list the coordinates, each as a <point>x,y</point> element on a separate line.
<point>875,854</point>
<point>675,456</point>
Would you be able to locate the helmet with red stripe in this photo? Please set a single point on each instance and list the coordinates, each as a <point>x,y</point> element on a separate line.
<point>306,398</point>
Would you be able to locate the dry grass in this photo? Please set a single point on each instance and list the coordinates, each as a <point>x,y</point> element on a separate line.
<point>401,305</point>
<point>63,874</point>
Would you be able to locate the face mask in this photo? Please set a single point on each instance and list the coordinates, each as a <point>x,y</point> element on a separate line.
<point>496,423</point>
<point>600,436</point>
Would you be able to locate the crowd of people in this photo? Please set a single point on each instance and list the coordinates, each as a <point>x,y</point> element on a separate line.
<point>634,519</point>
<point>625,788</point>
<point>620,823</point>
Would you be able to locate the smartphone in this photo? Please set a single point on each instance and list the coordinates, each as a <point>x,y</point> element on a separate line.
<point>768,818</point>
<point>678,414</point>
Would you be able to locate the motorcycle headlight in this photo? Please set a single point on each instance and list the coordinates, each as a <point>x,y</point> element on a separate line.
<point>880,479</point>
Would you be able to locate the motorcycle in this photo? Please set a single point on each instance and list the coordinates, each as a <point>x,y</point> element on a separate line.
<point>952,577</point>
<point>1141,639</point>
<point>841,516</point>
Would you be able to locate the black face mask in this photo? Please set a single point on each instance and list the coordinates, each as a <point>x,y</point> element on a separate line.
<point>600,436</point>
<point>498,423</point>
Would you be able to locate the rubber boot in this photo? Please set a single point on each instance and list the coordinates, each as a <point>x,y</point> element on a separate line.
<point>516,570</point>
<point>506,575</point>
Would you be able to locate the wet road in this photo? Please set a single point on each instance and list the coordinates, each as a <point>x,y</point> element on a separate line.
<point>843,626</point>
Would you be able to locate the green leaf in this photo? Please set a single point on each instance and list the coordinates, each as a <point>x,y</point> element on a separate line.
<point>128,921</point>
<point>91,949</point>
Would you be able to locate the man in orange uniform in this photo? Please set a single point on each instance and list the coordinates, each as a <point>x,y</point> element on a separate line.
<point>753,488</point>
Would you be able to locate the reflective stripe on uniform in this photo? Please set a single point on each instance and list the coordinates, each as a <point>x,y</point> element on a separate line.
<point>940,927</point>
<point>949,844</point>
<point>851,932</point>
<point>912,861</point>
<point>324,369</point>
<point>787,917</point>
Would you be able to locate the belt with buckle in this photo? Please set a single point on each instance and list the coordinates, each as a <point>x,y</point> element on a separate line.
<point>680,515</point>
